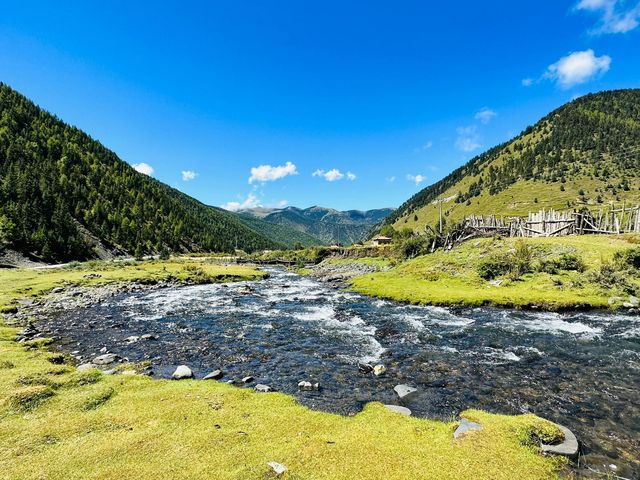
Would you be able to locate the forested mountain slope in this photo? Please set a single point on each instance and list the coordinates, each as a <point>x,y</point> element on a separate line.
<point>585,153</point>
<point>59,187</point>
<point>283,234</point>
<point>327,224</point>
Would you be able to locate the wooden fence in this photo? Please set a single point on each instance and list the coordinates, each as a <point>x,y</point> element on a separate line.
<point>551,223</point>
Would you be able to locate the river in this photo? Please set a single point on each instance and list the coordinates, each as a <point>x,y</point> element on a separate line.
<point>579,369</point>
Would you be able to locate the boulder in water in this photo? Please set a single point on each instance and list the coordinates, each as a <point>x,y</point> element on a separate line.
<point>307,386</point>
<point>365,368</point>
<point>182,372</point>
<point>404,391</point>
<point>379,370</point>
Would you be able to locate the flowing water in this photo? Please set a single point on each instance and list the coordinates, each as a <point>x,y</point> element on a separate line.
<point>578,369</point>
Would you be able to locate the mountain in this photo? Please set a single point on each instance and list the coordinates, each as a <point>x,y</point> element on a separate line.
<point>63,195</point>
<point>326,224</point>
<point>285,235</point>
<point>584,154</point>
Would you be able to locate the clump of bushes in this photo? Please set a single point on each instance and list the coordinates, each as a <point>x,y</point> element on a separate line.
<point>413,247</point>
<point>514,264</point>
<point>564,262</point>
<point>628,258</point>
<point>609,276</point>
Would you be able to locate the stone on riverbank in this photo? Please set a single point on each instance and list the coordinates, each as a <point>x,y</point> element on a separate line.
<point>278,468</point>
<point>568,448</point>
<point>106,359</point>
<point>404,391</point>
<point>182,372</point>
<point>379,370</point>
<point>86,366</point>
<point>398,409</point>
<point>465,427</point>
<point>248,379</point>
<point>260,388</point>
<point>215,375</point>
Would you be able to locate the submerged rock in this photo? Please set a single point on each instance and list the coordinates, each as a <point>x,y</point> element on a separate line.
<point>404,391</point>
<point>182,372</point>
<point>215,375</point>
<point>398,409</point>
<point>465,427</point>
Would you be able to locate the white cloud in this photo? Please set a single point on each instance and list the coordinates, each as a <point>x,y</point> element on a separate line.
<point>282,203</point>
<point>614,18</point>
<point>417,179</point>
<point>250,202</point>
<point>333,175</point>
<point>468,139</point>
<point>188,175</point>
<point>391,179</point>
<point>485,115</point>
<point>527,82</point>
<point>426,146</point>
<point>577,68</point>
<point>267,173</point>
<point>143,168</point>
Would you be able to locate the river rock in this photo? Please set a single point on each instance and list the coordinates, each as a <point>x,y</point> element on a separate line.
<point>307,386</point>
<point>278,468</point>
<point>248,379</point>
<point>263,388</point>
<point>568,448</point>
<point>86,366</point>
<point>148,336</point>
<point>365,368</point>
<point>132,339</point>
<point>106,359</point>
<point>404,391</point>
<point>634,301</point>
<point>215,375</point>
<point>398,409</point>
<point>182,372</point>
<point>465,427</point>
<point>379,370</point>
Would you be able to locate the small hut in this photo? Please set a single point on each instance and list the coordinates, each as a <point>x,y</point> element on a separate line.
<point>380,240</point>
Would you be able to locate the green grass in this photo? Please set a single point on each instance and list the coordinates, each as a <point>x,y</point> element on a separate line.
<point>56,423</point>
<point>380,262</point>
<point>451,278</point>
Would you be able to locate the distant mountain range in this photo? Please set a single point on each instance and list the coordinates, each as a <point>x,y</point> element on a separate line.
<point>325,225</point>
<point>583,154</point>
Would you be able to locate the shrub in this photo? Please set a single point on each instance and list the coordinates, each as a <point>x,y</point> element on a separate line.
<point>629,258</point>
<point>521,260</point>
<point>413,247</point>
<point>566,262</point>
<point>494,266</point>
<point>609,277</point>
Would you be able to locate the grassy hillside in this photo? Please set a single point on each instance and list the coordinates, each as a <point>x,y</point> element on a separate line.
<point>549,273</point>
<point>326,224</point>
<point>59,188</point>
<point>285,235</point>
<point>586,153</point>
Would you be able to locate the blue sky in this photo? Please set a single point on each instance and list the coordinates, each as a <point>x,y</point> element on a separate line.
<point>350,105</point>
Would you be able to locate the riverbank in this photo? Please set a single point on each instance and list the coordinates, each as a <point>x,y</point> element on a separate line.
<point>560,273</point>
<point>61,423</point>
